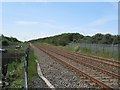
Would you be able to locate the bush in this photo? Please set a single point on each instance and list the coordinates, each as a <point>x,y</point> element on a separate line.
<point>15,74</point>
<point>86,50</point>
<point>76,48</point>
<point>5,43</point>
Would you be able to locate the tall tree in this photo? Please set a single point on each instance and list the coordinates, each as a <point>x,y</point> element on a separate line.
<point>107,39</point>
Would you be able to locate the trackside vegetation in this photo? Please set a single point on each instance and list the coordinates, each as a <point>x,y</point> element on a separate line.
<point>6,41</point>
<point>14,77</point>
<point>98,53</point>
<point>32,67</point>
<point>15,73</point>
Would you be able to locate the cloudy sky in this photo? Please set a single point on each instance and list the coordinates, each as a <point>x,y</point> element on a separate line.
<point>30,20</point>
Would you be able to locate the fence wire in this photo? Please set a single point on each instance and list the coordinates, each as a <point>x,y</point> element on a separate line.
<point>111,49</point>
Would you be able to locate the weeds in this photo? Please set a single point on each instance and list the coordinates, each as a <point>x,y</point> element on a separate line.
<point>15,72</point>
<point>32,67</point>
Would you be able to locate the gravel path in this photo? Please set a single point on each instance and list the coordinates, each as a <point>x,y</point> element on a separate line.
<point>58,75</point>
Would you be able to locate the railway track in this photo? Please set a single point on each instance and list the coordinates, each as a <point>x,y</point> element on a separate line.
<point>102,64</point>
<point>86,63</point>
<point>95,62</point>
<point>101,79</point>
<point>102,59</point>
<point>110,62</point>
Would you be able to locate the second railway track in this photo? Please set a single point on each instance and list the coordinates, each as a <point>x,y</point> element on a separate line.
<point>103,80</point>
<point>112,69</point>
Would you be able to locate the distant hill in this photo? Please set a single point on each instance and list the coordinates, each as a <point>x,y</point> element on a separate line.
<point>62,39</point>
<point>65,38</point>
<point>5,41</point>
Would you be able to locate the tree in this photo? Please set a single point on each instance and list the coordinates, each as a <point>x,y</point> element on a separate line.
<point>107,39</point>
<point>66,38</point>
<point>87,39</point>
<point>97,38</point>
<point>115,39</point>
<point>5,43</point>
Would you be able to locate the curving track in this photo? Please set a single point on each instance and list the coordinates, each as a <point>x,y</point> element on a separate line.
<point>112,67</point>
<point>80,65</point>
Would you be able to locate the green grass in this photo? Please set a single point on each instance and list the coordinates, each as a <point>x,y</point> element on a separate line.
<point>15,70</point>
<point>89,52</point>
<point>15,73</point>
<point>32,66</point>
<point>99,53</point>
<point>18,50</point>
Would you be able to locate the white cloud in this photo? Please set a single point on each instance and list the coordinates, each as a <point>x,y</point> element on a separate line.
<point>26,22</point>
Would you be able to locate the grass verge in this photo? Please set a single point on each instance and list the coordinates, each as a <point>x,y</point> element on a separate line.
<point>15,72</point>
<point>32,67</point>
<point>99,53</point>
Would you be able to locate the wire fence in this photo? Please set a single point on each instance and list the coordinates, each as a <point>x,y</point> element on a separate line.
<point>111,49</point>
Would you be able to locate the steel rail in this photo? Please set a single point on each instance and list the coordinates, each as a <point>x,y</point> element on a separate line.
<point>88,65</point>
<point>113,66</point>
<point>105,63</point>
<point>71,67</point>
<point>108,60</point>
<point>98,60</point>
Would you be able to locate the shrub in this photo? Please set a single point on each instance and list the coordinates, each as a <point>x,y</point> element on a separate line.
<point>5,43</point>
<point>76,48</point>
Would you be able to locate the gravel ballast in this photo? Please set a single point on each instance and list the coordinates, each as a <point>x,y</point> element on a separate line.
<point>57,74</point>
<point>38,83</point>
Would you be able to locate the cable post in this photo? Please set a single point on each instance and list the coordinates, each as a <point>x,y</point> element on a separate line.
<point>26,69</point>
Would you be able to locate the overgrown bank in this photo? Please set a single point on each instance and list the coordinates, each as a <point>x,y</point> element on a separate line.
<point>32,67</point>
<point>15,72</point>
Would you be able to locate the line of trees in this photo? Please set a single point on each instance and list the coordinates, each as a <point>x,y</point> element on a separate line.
<point>103,39</point>
<point>5,41</point>
<point>66,38</point>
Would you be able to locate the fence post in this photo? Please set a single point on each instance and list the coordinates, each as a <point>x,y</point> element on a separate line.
<point>26,69</point>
